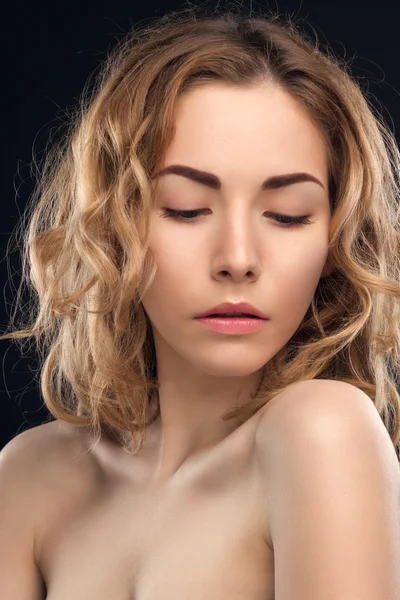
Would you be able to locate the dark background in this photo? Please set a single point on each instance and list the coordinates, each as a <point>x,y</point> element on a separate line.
<point>49,51</point>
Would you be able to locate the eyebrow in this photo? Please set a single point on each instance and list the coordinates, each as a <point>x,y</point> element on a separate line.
<point>213,182</point>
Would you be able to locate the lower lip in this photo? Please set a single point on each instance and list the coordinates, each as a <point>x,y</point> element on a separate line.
<point>234,325</point>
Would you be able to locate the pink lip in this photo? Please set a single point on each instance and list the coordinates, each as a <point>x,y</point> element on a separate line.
<point>230,307</point>
<point>233,325</point>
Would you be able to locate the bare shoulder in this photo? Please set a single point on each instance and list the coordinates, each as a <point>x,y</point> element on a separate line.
<point>300,394</point>
<point>314,406</point>
<point>310,427</point>
<point>42,471</point>
<point>317,411</point>
<point>50,457</point>
<point>46,464</point>
<point>47,448</point>
<point>332,481</point>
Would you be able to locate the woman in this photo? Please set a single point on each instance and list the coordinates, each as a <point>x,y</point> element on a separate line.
<point>215,252</point>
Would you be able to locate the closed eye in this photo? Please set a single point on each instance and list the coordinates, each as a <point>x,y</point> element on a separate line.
<point>193,215</point>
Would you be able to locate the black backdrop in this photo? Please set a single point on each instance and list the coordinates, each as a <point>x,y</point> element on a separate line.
<point>49,51</point>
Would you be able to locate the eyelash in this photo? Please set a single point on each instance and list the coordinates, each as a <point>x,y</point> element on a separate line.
<point>181,215</point>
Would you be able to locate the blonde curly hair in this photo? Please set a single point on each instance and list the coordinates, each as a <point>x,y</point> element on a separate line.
<point>86,256</point>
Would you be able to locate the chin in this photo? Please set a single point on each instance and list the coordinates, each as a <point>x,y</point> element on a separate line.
<point>232,370</point>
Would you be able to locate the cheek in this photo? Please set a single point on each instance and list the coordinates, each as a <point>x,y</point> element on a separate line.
<point>296,275</point>
<point>173,280</point>
<point>177,256</point>
<point>303,256</point>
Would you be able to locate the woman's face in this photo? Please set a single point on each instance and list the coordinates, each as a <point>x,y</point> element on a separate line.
<point>236,250</point>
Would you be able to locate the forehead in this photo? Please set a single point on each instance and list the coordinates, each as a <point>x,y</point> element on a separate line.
<point>242,132</point>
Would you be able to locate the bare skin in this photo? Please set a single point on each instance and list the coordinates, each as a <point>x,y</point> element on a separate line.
<point>106,531</point>
<point>234,251</point>
<point>187,517</point>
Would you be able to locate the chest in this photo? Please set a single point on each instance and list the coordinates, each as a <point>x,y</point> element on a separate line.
<point>200,542</point>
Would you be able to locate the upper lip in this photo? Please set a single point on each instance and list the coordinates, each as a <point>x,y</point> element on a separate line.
<point>231,307</point>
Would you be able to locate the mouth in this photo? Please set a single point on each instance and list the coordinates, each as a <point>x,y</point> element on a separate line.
<point>232,323</point>
<point>233,310</point>
<point>229,316</point>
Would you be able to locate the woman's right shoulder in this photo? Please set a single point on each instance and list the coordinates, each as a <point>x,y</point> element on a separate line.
<point>39,470</point>
<point>44,443</point>
<point>44,451</point>
<point>44,468</point>
<point>38,460</point>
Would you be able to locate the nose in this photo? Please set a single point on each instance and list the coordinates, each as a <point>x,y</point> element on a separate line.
<point>236,254</point>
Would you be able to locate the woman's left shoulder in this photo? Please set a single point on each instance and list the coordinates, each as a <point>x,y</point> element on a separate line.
<point>319,411</point>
